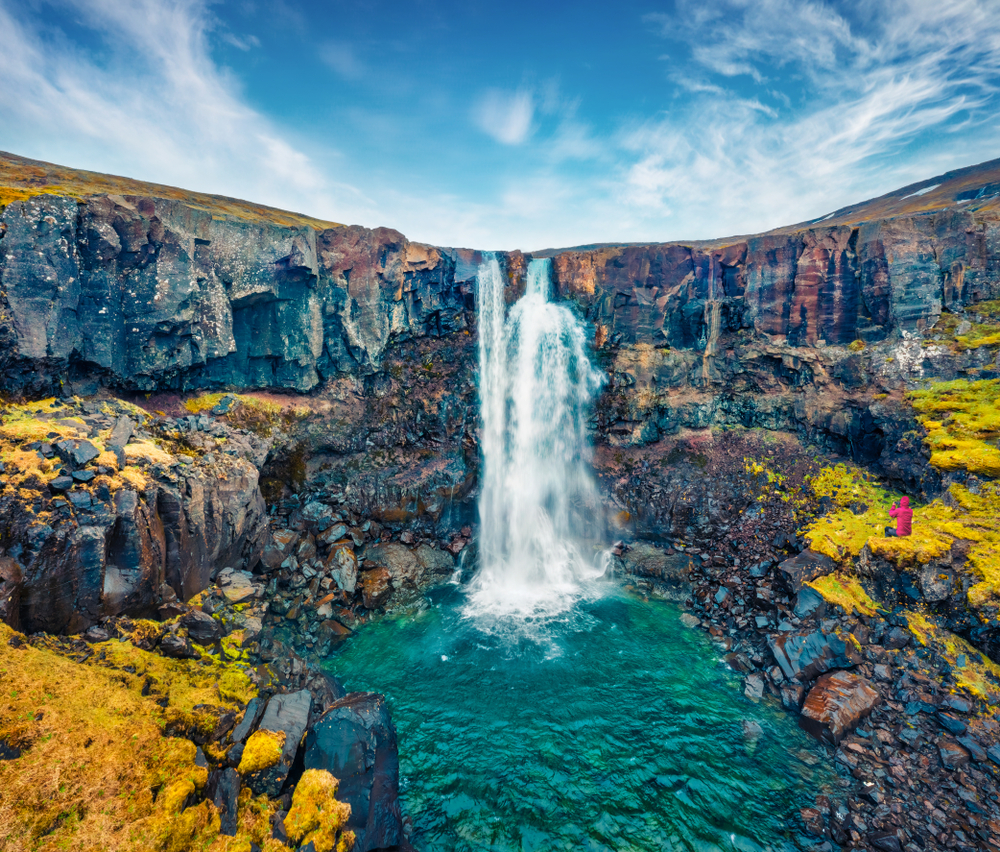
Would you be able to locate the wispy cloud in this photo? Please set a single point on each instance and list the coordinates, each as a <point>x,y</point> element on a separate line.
<point>342,59</point>
<point>506,116</point>
<point>862,94</point>
<point>156,105</point>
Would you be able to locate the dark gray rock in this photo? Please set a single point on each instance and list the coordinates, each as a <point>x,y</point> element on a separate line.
<point>61,483</point>
<point>201,627</point>
<point>251,718</point>
<point>951,724</point>
<point>173,645</point>
<point>355,740</point>
<point>806,566</point>
<point>288,713</point>
<point>122,432</point>
<point>809,602</point>
<point>803,656</point>
<point>223,789</point>
<point>974,747</point>
<point>11,583</point>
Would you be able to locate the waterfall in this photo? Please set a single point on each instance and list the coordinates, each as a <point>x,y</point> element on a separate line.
<point>539,508</point>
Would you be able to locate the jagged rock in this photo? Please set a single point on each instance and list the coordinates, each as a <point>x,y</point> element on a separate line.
<point>342,566</point>
<point>173,645</point>
<point>201,627</point>
<point>802,656</point>
<point>77,453</point>
<point>223,790</point>
<point>251,718</point>
<point>122,432</point>
<point>953,756</point>
<point>287,713</point>
<point>411,569</point>
<point>836,705</point>
<point>806,566</point>
<point>355,740</point>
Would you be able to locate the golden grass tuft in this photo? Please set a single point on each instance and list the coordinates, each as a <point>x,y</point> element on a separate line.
<point>316,816</point>
<point>845,591</point>
<point>147,451</point>
<point>262,751</point>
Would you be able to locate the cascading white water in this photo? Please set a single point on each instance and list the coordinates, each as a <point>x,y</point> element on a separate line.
<point>539,504</point>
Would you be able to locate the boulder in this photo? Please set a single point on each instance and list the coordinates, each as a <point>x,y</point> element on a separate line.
<point>201,627</point>
<point>173,645</point>
<point>836,705</point>
<point>342,566</point>
<point>355,741</point>
<point>375,587</point>
<point>803,656</point>
<point>806,566</point>
<point>672,571</point>
<point>287,713</point>
<point>411,569</point>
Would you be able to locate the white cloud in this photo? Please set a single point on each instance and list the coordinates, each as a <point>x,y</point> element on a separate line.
<point>342,59</point>
<point>738,164</point>
<point>155,106</point>
<point>245,43</point>
<point>505,116</point>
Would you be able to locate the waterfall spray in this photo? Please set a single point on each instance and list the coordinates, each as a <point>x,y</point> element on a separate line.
<point>539,504</point>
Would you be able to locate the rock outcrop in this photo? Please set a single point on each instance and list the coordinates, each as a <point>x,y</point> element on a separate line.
<point>151,293</point>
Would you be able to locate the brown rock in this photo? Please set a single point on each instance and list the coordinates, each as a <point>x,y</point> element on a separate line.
<point>836,704</point>
<point>953,756</point>
<point>375,587</point>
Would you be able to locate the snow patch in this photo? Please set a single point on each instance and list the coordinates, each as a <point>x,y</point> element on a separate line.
<point>923,191</point>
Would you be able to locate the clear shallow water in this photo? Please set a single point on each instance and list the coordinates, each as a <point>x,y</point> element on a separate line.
<point>620,729</point>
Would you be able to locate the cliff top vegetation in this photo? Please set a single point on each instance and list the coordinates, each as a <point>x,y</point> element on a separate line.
<point>21,178</point>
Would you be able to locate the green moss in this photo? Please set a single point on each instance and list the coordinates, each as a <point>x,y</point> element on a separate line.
<point>856,346</point>
<point>962,419</point>
<point>979,675</point>
<point>843,532</point>
<point>316,816</point>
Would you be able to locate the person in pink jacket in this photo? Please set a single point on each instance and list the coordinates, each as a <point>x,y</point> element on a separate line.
<point>904,517</point>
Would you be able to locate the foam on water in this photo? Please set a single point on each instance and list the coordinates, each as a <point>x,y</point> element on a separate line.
<point>539,508</point>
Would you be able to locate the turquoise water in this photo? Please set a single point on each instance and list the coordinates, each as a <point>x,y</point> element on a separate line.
<point>613,728</point>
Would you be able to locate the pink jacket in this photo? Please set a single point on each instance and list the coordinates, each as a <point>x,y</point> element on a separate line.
<point>903,516</point>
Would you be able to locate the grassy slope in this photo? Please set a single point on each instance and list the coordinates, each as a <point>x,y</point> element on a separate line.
<point>21,178</point>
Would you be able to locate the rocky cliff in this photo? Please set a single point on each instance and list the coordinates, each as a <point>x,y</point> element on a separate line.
<point>815,329</point>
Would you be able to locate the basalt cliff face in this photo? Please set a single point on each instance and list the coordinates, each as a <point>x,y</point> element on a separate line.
<point>815,330</point>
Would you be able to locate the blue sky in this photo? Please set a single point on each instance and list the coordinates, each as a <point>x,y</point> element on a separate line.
<point>506,124</point>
